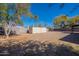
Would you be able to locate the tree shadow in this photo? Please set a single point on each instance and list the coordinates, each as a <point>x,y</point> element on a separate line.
<point>36,48</point>
<point>73,38</point>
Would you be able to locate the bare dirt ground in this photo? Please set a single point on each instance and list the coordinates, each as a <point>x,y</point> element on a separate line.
<point>18,44</point>
<point>53,37</point>
<point>16,38</point>
<point>48,36</point>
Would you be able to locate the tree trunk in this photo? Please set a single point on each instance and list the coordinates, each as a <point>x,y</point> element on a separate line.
<point>6,30</point>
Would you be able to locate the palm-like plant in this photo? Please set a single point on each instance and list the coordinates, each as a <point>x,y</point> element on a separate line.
<point>35,19</point>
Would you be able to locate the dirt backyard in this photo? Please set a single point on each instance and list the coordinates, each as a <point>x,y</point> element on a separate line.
<point>53,37</point>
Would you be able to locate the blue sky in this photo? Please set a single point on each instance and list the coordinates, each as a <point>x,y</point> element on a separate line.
<point>47,13</point>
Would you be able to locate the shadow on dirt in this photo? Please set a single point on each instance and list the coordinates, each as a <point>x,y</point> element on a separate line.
<point>73,38</point>
<point>35,48</point>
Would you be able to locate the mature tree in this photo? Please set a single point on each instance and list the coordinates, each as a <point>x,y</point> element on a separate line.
<point>61,20</point>
<point>76,20</point>
<point>10,15</point>
<point>73,20</point>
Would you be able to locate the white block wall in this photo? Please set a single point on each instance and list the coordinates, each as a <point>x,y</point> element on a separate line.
<point>21,30</point>
<point>39,29</point>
